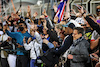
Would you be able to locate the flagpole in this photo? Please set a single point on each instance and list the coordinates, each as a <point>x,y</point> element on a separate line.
<point>48,7</point>
<point>52,11</point>
<point>81,2</point>
<point>43,5</point>
<point>2,5</point>
<point>70,4</point>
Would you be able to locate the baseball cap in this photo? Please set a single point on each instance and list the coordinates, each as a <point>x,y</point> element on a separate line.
<point>66,25</point>
<point>70,25</point>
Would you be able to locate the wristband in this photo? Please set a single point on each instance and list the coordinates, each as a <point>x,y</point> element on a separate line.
<point>83,13</point>
<point>46,16</point>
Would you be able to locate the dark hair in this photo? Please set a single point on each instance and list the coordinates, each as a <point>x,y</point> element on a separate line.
<point>9,18</point>
<point>80,30</point>
<point>21,21</point>
<point>92,15</point>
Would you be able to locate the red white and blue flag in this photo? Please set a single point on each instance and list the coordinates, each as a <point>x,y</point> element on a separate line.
<point>60,10</point>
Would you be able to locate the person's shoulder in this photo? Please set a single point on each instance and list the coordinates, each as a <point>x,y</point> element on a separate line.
<point>18,32</point>
<point>28,34</point>
<point>84,41</point>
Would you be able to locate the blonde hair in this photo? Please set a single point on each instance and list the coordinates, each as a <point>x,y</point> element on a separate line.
<point>59,26</point>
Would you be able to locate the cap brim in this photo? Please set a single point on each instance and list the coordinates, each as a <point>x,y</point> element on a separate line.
<point>64,25</point>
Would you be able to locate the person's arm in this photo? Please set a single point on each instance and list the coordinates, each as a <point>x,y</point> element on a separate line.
<point>97,65</point>
<point>67,14</point>
<point>27,46</point>
<point>49,22</point>
<point>11,34</point>
<point>38,37</point>
<point>96,52</point>
<point>67,43</point>
<point>50,45</point>
<point>34,15</point>
<point>93,24</point>
<point>94,43</point>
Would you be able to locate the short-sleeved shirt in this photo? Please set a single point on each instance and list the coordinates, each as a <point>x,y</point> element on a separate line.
<point>95,35</point>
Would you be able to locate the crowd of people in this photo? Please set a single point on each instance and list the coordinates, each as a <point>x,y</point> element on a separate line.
<point>75,40</point>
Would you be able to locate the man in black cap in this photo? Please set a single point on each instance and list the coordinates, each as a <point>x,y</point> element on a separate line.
<point>68,40</point>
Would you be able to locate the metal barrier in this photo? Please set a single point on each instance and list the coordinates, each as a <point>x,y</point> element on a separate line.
<point>85,3</point>
<point>12,50</point>
<point>93,5</point>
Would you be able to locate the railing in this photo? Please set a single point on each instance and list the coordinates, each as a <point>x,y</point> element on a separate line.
<point>84,4</point>
<point>5,10</point>
<point>93,5</point>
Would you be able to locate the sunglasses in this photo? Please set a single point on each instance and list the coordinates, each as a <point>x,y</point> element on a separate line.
<point>98,10</point>
<point>21,25</point>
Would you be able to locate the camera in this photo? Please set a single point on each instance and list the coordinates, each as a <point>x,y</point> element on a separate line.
<point>26,38</point>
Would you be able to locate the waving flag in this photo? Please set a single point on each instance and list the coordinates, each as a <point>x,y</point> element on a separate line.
<point>60,10</point>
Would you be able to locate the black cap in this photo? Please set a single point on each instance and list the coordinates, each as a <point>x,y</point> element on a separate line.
<point>71,25</point>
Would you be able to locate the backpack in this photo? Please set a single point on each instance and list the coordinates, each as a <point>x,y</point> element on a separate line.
<point>49,58</point>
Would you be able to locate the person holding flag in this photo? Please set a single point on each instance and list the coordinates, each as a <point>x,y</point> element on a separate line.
<point>60,10</point>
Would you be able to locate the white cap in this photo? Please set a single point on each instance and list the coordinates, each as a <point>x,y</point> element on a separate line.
<point>80,20</point>
<point>75,23</point>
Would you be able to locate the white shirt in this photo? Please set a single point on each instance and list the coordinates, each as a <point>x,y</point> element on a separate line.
<point>75,23</point>
<point>3,38</point>
<point>79,20</point>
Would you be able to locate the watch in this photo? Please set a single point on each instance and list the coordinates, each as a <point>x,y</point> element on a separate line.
<point>83,13</point>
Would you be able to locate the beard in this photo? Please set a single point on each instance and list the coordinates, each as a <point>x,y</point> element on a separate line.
<point>21,28</point>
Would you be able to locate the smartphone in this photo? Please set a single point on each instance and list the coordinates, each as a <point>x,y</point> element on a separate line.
<point>91,56</point>
<point>77,6</point>
<point>71,11</point>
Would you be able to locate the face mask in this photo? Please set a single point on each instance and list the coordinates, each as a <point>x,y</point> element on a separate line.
<point>21,28</point>
<point>12,22</point>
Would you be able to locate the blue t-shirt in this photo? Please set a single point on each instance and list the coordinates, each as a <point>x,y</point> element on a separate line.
<point>19,37</point>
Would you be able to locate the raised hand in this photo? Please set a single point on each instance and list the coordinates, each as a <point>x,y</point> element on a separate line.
<point>70,56</point>
<point>28,9</point>
<point>73,11</point>
<point>29,40</point>
<point>55,8</point>
<point>67,15</point>
<point>44,24</point>
<point>95,58</point>
<point>81,10</point>
<point>35,14</point>
<point>56,19</point>
<point>44,12</point>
